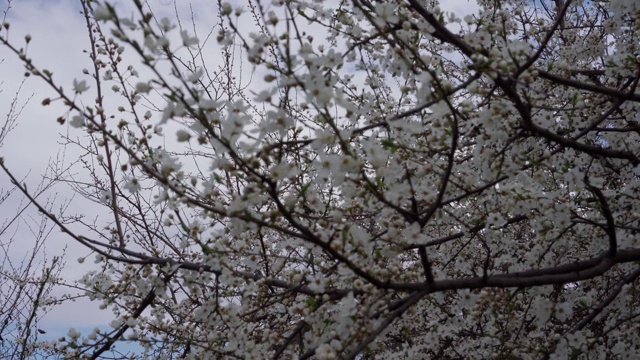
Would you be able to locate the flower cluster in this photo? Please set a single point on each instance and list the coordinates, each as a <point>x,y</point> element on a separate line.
<point>391,181</point>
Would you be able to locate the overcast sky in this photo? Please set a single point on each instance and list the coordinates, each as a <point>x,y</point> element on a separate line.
<point>58,40</point>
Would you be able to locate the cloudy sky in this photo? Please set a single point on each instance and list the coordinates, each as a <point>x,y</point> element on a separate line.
<point>59,37</point>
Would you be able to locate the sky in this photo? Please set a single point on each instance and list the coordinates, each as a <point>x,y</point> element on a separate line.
<point>59,38</point>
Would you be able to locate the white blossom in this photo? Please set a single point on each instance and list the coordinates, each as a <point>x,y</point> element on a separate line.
<point>183,135</point>
<point>77,121</point>
<point>196,75</point>
<point>102,13</point>
<point>188,41</point>
<point>143,87</point>
<point>133,185</point>
<point>80,86</point>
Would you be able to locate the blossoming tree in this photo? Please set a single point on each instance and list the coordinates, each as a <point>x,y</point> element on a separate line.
<point>359,179</point>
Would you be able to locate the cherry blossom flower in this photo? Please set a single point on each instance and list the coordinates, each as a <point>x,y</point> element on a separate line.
<point>80,86</point>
